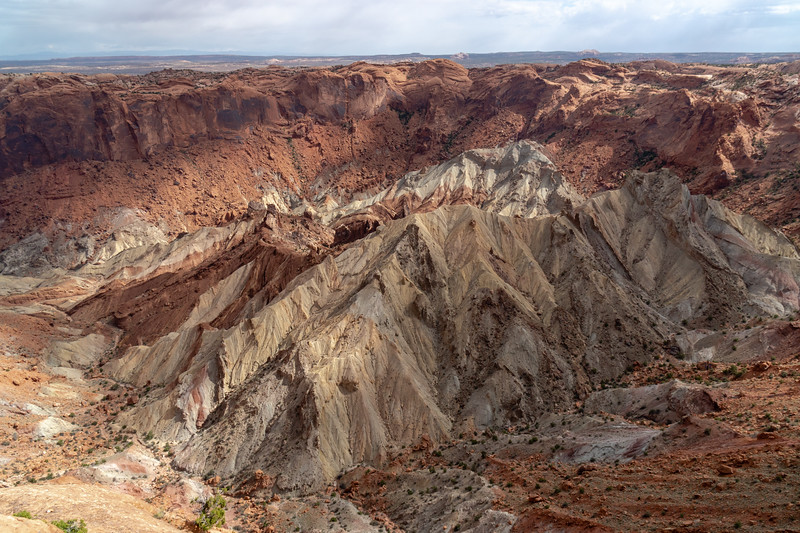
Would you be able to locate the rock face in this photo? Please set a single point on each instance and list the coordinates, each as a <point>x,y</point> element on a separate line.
<point>52,426</point>
<point>104,510</point>
<point>193,149</point>
<point>79,353</point>
<point>136,462</point>
<point>453,318</point>
<point>665,403</point>
<point>40,252</point>
<point>50,118</point>
<point>515,180</point>
<point>13,524</point>
<point>209,278</point>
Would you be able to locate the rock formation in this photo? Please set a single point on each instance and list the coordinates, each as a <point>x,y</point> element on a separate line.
<point>372,281</point>
<point>188,150</point>
<point>455,317</point>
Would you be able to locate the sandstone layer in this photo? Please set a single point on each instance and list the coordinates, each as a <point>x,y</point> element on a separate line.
<point>186,150</point>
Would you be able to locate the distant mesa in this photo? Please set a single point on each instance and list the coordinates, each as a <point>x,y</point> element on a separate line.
<point>143,64</point>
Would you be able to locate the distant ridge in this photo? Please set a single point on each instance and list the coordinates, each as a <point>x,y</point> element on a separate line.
<point>142,64</point>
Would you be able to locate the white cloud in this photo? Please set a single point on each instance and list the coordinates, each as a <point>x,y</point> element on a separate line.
<point>784,9</point>
<point>384,26</point>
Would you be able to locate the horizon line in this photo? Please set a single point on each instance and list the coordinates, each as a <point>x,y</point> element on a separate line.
<point>191,53</point>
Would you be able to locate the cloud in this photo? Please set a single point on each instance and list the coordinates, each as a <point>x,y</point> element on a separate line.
<point>382,26</point>
<point>783,9</point>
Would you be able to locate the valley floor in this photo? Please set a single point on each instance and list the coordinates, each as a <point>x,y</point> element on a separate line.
<point>732,468</point>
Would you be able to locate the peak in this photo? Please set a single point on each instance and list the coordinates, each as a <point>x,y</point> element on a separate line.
<point>441,67</point>
<point>516,179</point>
<point>367,326</point>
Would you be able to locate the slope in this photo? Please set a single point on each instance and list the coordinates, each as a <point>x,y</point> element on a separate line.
<point>453,319</point>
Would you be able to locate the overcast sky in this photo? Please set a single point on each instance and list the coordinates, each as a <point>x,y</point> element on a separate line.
<point>337,27</point>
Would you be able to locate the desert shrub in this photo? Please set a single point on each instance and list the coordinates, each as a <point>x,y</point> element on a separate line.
<point>23,514</point>
<point>212,514</point>
<point>71,526</point>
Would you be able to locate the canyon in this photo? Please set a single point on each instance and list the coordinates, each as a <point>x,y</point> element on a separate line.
<point>404,297</point>
<point>186,150</point>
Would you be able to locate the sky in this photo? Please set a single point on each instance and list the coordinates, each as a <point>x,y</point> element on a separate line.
<point>61,28</point>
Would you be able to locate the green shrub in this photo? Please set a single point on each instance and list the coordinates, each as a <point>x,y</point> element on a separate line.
<point>212,514</point>
<point>24,514</point>
<point>71,526</point>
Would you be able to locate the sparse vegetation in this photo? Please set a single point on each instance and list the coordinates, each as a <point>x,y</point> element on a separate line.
<point>734,370</point>
<point>71,526</point>
<point>403,115</point>
<point>213,513</point>
<point>295,159</point>
<point>643,157</point>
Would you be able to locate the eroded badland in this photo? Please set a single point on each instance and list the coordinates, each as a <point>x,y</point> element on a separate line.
<point>408,297</point>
